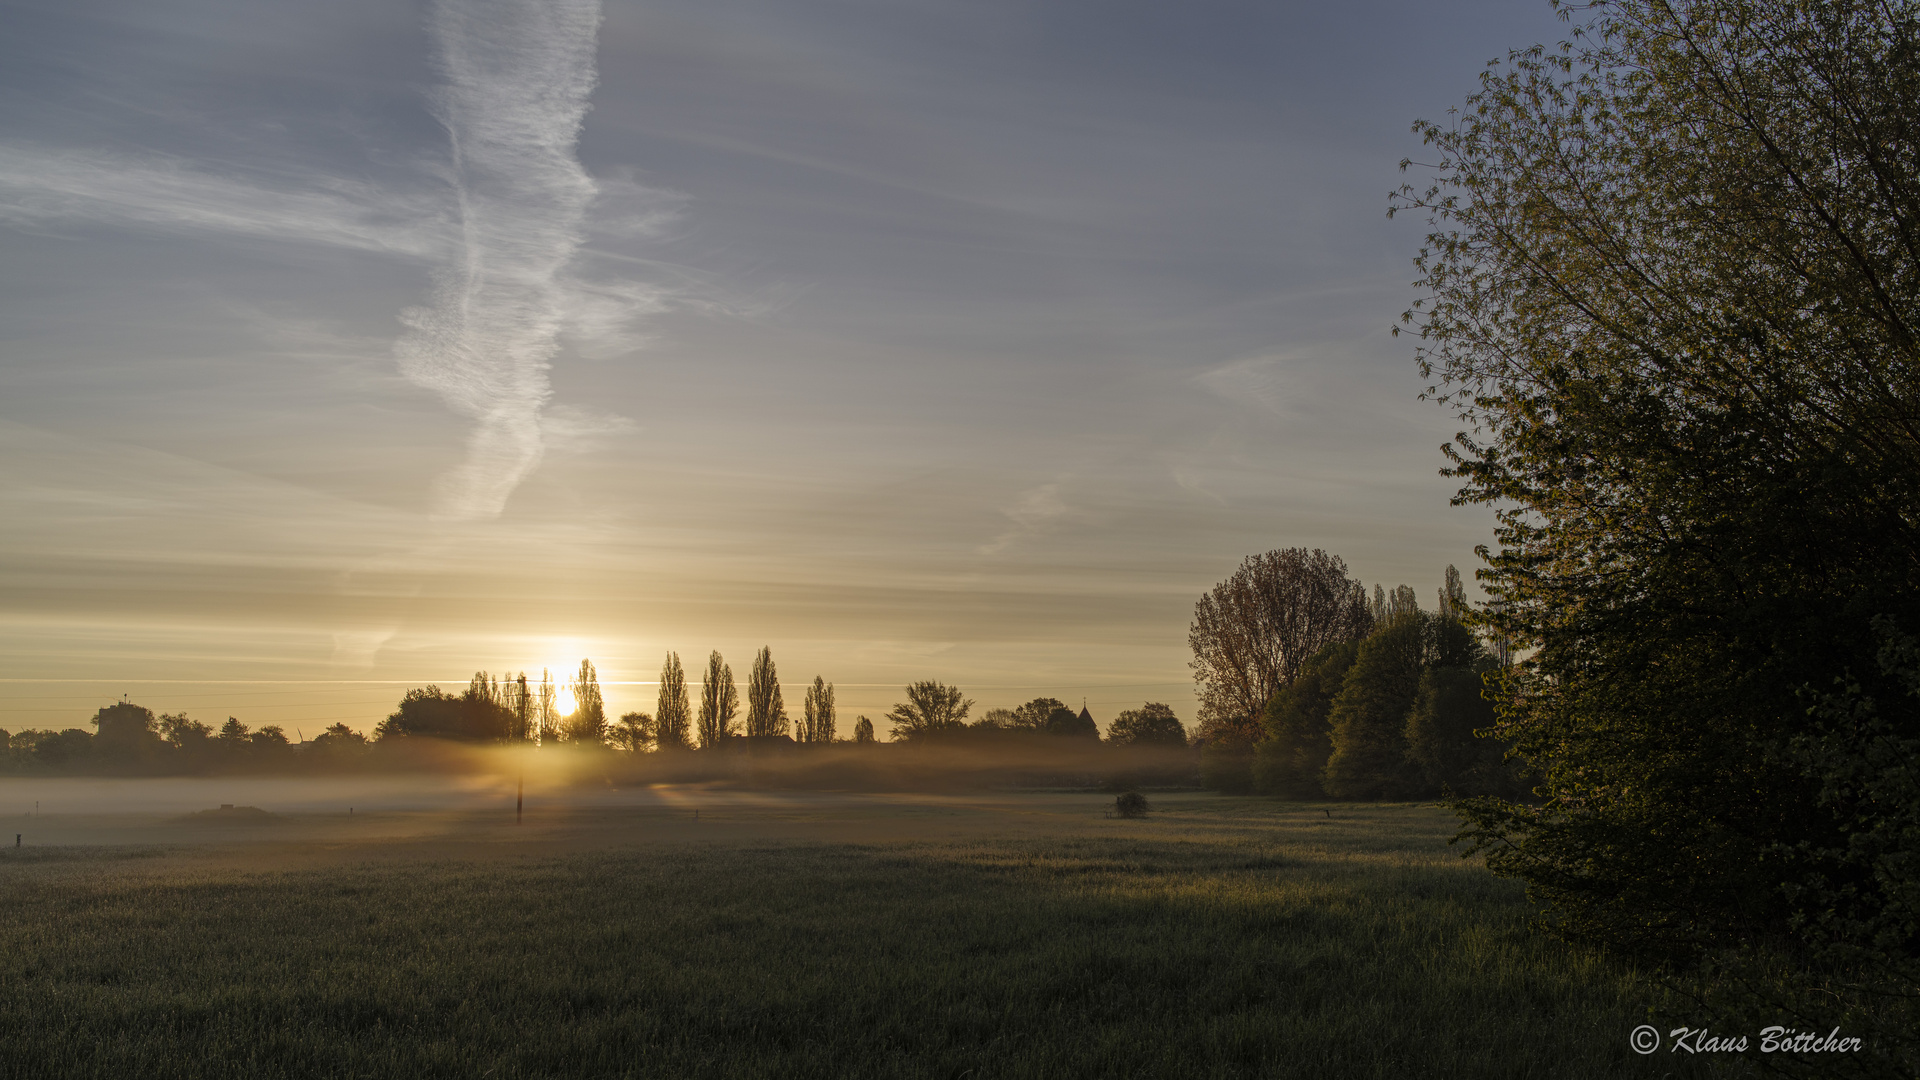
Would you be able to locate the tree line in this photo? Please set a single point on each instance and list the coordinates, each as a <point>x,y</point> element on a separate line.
<point>1312,689</point>
<point>518,710</point>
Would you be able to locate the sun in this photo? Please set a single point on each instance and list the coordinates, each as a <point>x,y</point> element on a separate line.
<point>564,703</point>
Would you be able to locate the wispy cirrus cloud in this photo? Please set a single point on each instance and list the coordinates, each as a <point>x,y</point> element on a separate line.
<point>516,76</point>
<point>44,186</point>
<point>1037,510</point>
<point>501,234</point>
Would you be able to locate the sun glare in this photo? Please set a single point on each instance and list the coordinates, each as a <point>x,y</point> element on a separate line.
<point>564,702</point>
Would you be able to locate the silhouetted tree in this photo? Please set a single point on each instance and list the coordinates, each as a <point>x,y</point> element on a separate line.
<point>470,717</point>
<point>930,707</point>
<point>63,750</point>
<point>189,737</point>
<point>766,713</point>
<point>634,732</point>
<point>338,744</point>
<point>719,702</point>
<point>997,720</point>
<point>817,720</point>
<point>1152,724</point>
<point>862,730</point>
<point>588,724</point>
<point>673,716</point>
<point>546,710</point>
<point>1034,715</point>
<point>1253,631</point>
<point>521,702</point>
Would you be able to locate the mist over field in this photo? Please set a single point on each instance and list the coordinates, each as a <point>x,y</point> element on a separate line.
<point>806,538</point>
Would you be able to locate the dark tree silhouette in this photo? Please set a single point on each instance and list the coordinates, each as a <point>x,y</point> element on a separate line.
<point>931,707</point>
<point>673,716</point>
<point>1152,724</point>
<point>817,721</point>
<point>766,713</point>
<point>719,703</point>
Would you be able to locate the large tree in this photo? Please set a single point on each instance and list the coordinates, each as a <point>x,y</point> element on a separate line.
<point>1674,286</point>
<point>1152,724</point>
<point>673,714</point>
<point>1253,631</point>
<point>931,707</point>
<point>719,703</point>
<point>817,723</point>
<point>766,712</point>
<point>588,724</point>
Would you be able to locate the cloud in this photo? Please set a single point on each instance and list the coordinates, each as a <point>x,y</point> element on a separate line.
<point>515,79</point>
<point>40,185</point>
<point>567,429</point>
<point>1260,382</point>
<point>1036,511</point>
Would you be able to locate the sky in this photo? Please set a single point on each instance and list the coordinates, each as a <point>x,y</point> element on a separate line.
<point>354,346</point>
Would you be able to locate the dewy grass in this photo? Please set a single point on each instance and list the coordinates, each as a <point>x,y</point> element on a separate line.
<point>1032,938</point>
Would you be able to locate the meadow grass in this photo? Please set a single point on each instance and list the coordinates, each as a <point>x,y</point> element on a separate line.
<point>1013,936</point>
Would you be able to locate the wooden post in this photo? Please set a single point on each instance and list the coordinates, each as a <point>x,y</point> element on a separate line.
<point>519,800</point>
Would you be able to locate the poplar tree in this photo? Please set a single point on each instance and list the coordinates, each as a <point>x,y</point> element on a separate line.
<point>719,703</point>
<point>766,713</point>
<point>818,722</point>
<point>673,715</point>
<point>589,721</point>
<point>546,712</point>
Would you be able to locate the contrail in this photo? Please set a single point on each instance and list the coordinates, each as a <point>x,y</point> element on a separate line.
<point>515,78</point>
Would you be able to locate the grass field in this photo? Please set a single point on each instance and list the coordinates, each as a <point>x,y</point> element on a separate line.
<point>1017,935</point>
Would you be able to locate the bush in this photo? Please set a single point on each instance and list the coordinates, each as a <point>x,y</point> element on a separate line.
<point>1130,804</point>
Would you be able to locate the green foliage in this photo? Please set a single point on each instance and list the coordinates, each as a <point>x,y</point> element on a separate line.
<point>1673,285</point>
<point>1292,759</point>
<point>1152,724</point>
<point>1368,759</point>
<point>1226,767</point>
<point>1452,704</point>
